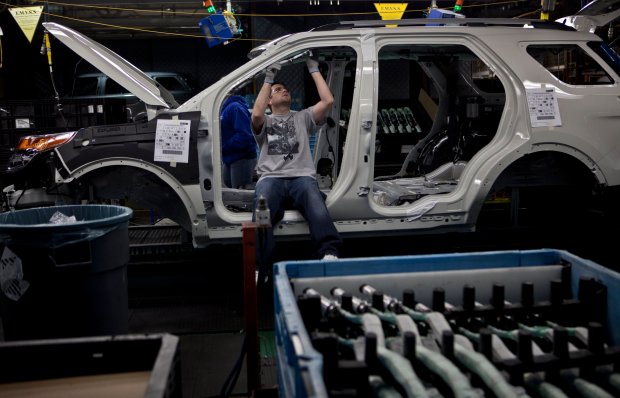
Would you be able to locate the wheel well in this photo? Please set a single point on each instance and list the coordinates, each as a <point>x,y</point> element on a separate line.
<point>137,186</point>
<point>539,189</point>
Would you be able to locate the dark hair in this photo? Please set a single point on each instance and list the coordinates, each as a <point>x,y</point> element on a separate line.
<point>280,83</point>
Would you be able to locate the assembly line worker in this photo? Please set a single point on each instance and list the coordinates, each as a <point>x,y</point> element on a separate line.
<point>285,167</point>
<point>239,149</point>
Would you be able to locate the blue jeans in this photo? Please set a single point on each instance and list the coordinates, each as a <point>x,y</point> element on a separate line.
<point>239,173</point>
<point>306,197</point>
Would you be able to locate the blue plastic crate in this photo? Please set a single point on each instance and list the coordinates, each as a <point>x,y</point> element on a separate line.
<point>300,365</point>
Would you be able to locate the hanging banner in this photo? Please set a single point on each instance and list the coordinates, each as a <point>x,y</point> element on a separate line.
<point>27,18</point>
<point>391,11</point>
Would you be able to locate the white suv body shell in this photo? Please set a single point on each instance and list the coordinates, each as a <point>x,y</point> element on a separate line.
<point>589,131</point>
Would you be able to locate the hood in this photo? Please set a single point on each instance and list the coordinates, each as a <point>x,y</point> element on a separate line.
<point>113,65</point>
<point>593,15</point>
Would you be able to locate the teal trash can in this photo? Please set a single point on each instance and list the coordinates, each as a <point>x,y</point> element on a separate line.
<point>65,279</point>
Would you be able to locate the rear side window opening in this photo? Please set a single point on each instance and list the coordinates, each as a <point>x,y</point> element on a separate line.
<point>572,64</point>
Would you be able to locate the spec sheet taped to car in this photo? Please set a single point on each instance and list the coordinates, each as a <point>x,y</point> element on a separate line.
<point>543,105</point>
<point>172,141</point>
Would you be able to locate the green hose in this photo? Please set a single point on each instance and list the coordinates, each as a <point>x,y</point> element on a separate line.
<point>542,388</point>
<point>381,389</point>
<point>449,373</point>
<point>403,373</point>
<point>480,365</point>
<point>589,390</point>
<point>614,382</point>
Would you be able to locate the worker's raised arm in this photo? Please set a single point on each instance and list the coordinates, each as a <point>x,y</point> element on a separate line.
<point>321,109</point>
<point>262,100</point>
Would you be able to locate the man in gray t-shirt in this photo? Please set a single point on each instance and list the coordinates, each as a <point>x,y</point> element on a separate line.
<point>285,166</point>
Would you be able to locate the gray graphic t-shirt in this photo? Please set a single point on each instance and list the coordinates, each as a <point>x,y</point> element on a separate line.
<point>284,144</point>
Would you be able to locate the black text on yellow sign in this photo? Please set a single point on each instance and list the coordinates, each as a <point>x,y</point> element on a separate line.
<point>27,18</point>
<point>391,11</point>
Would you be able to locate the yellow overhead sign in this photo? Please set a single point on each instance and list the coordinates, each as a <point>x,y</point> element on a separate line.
<point>27,18</point>
<point>391,11</point>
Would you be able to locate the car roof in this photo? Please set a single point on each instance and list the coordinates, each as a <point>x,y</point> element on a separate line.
<point>365,24</point>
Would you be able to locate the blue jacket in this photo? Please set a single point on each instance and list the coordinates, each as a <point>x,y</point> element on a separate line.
<point>237,138</point>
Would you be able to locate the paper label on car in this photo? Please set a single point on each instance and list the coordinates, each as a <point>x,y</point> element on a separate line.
<point>172,141</point>
<point>543,107</point>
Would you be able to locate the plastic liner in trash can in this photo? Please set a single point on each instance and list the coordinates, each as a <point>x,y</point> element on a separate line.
<point>67,279</point>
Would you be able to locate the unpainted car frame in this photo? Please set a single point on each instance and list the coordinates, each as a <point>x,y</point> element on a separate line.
<point>482,155</point>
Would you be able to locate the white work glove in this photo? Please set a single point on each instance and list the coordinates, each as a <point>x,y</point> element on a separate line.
<point>271,72</point>
<point>313,65</point>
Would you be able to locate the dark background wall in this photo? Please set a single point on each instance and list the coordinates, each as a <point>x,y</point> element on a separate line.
<point>25,73</point>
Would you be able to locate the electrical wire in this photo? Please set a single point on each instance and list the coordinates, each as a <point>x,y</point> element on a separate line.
<point>46,49</point>
<point>231,380</point>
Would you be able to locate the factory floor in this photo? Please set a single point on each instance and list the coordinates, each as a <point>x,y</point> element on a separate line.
<point>198,295</point>
<point>201,300</point>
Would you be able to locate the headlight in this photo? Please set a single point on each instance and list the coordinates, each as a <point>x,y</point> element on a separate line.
<point>30,146</point>
<point>40,143</point>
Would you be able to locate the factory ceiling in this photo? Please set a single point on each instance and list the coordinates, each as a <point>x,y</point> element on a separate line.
<point>142,19</point>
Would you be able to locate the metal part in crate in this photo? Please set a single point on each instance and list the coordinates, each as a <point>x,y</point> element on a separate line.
<point>485,324</point>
